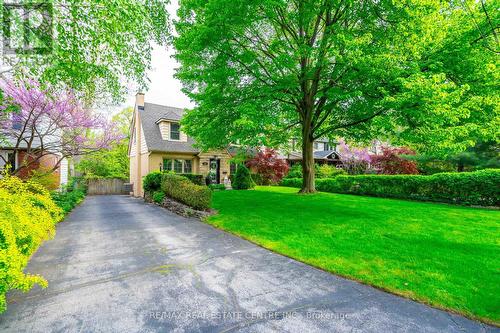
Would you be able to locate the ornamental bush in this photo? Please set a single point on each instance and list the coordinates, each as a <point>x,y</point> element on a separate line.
<point>468,188</point>
<point>28,217</point>
<point>393,162</point>
<point>182,189</point>
<point>243,179</point>
<point>152,181</point>
<point>269,166</point>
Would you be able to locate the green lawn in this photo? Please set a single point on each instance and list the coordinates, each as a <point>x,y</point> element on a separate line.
<point>442,255</point>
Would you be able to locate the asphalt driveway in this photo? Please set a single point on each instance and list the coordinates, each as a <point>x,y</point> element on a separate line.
<point>120,265</point>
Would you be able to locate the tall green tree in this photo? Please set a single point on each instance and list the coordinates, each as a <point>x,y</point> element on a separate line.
<point>96,46</point>
<point>263,70</point>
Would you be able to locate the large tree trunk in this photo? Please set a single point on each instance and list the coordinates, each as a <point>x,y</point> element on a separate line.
<point>307,163</point>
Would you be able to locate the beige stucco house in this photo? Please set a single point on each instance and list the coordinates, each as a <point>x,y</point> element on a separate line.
<point>158,143</point>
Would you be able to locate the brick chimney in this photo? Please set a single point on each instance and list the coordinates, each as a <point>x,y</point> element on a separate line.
<point>139,99</point>
<point>137,178</point>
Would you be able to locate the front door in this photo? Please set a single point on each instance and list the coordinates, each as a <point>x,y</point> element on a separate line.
<point>214,172</point>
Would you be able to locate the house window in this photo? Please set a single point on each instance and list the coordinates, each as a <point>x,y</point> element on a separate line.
<point>187,166</point>
<point>177,166</point>
<point>175,133</point>
<point>316,146</point>
<point>167,165</point>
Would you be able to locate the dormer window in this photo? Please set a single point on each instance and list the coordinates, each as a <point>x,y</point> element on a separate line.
<point>175,132</point>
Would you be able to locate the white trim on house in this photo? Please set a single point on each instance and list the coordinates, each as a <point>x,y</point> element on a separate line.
<point>63,172</point>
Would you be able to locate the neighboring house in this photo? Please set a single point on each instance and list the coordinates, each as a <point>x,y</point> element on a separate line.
<point>158,143</point>
<point>20,157</point>
<point>325,152</point>
<point>26,154</point>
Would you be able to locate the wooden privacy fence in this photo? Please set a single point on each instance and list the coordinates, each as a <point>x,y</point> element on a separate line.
<point>107,186</point>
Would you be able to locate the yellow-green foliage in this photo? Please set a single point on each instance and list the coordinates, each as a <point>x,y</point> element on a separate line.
<point>27,218</point>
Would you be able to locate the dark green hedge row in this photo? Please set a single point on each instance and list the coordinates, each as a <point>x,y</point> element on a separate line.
<point>182,189</point>
<point>468,188</point>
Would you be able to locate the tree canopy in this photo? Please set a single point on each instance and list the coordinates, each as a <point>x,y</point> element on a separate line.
<point>418,72</point>
<point>96,46</point>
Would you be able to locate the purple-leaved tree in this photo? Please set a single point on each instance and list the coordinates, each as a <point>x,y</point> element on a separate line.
<point>49,122</point>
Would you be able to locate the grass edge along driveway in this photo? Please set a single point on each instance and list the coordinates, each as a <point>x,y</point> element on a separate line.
<point>442,255</point>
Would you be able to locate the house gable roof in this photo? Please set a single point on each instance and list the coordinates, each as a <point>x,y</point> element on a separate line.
<point>150,116</point>
<point>171,115</point>
<point>326,154</point>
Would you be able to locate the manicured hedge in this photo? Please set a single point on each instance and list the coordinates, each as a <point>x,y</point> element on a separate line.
<point>28,217</point>
<point>152,181</point>
<point>194,178</point>
<point>182,189</point>
<point>469,188</point>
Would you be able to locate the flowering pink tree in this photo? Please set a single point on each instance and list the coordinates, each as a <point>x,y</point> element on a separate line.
<point>50,122</point>
<point>354,160</point>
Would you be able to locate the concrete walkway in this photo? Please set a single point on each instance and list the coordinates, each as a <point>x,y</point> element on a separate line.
<point>120,265</point>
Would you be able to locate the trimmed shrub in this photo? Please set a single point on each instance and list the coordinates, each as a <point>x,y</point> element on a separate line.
<point>182,189</point>
<point>158,196</point>
<point>152,181</point>
<point>328,171</point>
<point>194,178</point>
<point>468,188</point>
<point>243,179</point>
<point>217,187</point>
<point>27,218</point>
